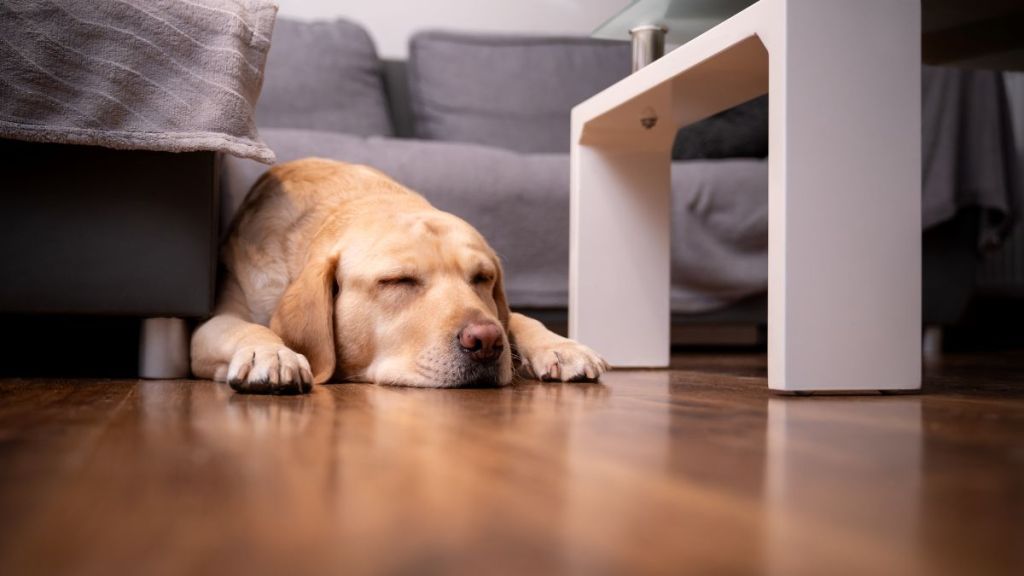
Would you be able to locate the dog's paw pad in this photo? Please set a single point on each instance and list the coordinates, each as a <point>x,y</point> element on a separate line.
<point>269,370</point>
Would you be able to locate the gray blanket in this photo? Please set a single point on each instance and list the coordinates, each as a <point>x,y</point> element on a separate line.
<point>172,75</point>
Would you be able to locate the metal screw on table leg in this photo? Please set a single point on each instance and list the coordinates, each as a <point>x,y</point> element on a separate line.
<point>163,348</point>
<point>648,44</point>
<point>648,118</point>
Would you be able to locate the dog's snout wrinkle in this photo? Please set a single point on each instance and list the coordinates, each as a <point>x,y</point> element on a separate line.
<point>482,341</point>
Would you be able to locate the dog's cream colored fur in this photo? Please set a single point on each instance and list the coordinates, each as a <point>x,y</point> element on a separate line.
<point>335,271</point>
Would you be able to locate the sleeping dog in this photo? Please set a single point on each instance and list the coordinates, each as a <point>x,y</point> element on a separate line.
<point>336,272</point>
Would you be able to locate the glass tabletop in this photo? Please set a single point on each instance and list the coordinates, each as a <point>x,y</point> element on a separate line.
<point>684,19</point>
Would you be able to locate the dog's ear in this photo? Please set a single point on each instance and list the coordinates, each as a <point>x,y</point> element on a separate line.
<point>499,296</point>
<point>304,317</point>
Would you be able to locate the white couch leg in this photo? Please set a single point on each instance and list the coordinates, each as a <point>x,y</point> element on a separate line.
<point>931,341</point>
<point>163,348</point>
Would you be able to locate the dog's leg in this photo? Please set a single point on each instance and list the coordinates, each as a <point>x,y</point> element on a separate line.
<point>548,356</point>
<point>252,358</point>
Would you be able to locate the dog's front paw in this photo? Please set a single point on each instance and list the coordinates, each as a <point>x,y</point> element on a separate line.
<point>269,369</point>
<point>563,360</point>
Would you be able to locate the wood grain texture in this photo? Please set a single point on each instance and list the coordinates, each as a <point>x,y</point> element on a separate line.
<point>695,469</point>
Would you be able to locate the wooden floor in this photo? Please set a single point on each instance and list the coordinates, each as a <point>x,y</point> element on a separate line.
<point>698,470</point>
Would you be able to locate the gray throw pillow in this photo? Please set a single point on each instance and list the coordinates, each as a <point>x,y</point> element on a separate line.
<point>323,76</point>
<point>507,91</point>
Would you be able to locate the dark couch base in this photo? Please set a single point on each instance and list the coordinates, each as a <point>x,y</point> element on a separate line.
<point>88,230</point>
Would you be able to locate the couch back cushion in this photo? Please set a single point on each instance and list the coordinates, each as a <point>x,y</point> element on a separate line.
<point>323,76</point>
<point>506,91</point>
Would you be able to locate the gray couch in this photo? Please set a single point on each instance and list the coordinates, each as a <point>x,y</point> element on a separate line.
<point>480,124</point>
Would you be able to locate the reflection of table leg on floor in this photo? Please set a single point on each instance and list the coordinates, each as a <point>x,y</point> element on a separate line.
<point>877,438</point>
<point>844,192</point>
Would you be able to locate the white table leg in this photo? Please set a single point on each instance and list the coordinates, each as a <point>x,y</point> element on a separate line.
<point>845,195</point>
<point>620,238</point>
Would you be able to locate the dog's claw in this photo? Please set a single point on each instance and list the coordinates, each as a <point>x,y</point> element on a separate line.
<point>554,373</point>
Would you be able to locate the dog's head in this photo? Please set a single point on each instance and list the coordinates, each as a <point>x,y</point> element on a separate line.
<point>413,299</point>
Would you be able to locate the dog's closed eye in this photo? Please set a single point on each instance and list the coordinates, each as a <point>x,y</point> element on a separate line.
<point>481,278</point>
<point>403,281</point>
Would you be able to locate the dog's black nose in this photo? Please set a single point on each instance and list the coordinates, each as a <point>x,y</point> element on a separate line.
<point>482,341</point>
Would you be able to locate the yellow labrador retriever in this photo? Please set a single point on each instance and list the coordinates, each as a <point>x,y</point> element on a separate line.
<point>335,271</point>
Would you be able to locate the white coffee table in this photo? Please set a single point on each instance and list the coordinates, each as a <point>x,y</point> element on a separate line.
<point>844,287</point>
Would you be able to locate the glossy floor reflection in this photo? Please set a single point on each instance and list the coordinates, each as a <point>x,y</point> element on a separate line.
<point>698,469</point>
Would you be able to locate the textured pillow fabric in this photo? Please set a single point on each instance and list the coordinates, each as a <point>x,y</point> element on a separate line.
<point>739,132</point>
<point>505,91</point>
<point>324,76</point>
